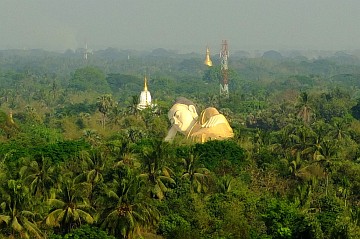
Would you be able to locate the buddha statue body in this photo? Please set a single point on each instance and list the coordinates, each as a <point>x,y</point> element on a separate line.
<point>209,125</point>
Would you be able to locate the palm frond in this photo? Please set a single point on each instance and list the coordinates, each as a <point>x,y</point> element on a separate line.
<point>16,225</point>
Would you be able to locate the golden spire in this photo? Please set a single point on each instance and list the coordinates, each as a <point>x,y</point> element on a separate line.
<point>145,84</point>
<point>11,118</point>
<point>208,61</point>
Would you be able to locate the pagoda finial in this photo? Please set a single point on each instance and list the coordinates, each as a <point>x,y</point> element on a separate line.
<point>208,61</point>
<point>145,84</point>
<point>11,118</point>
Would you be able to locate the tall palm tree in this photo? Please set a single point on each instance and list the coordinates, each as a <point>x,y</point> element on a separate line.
<point>305,109</point>
<point>344,189</point>
<point>135,134</point>
<point>327,152</point>
<point>304,170</point>
<point>126,210</point>
<point>260,139</point>
<point>91,136</point>
<point>340,128</point>
<point>225,184</point>
<point>128,159</point>
<point>93,165</point>
<point>104,104</point>
<point>70,207</point>
<point>133,108</point>
<point>159,180</point>
<point>157,175</point>
<point>39,175</point>
<point>7,124</point>
<point>280,142</point>
<point>301,137</point>
<point>20,222</point>
<point>123,153</point>
<point>116,114</point>
<point>303,194</point>
<point>198,176</point>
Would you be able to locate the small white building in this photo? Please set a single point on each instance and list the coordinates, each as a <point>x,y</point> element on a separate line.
<point>145,97</point>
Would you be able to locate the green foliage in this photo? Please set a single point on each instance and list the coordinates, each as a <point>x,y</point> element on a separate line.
<point>37,134</point>
<point>330,210</point>
<point>228,217</point>
<point>14,201</point>
<point>280,218</point>
<point>89,79</point>
<point>291,172</point>
<point>335,103</point>
<point>175,226</point>
<point>7,128</point>
<point>212,74</point>
<point>85,231</point>
<point>308,227</point>
<point>223,157</point>
<point>265,158</point>
<point>118,81</point>
<point>57,152</point>
<point>355,110</point>
<point>75,109</point>
<point>126,208</point>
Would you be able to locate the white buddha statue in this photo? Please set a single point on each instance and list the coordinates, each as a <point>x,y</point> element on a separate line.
<point>210,125</point>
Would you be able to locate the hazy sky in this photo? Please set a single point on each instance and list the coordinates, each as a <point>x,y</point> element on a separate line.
<point>185,25</point>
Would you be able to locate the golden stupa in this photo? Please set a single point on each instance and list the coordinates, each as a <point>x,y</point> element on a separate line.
<point>208,61</point>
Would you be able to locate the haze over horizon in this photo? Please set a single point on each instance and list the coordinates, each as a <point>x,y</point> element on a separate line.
<point>185,26</point>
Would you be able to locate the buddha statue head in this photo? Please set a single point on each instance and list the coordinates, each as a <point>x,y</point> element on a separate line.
<point>183,115</point>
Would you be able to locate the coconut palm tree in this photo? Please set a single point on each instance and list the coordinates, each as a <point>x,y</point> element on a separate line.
<point>104,104</point>
<point>126,211</point>
<point>305,109</point>
<point>7,124</point>
<point>133,108</point>
<point>91,136</point>
<point>301,137</point>
<point>93,165</point>
<point>198,176</point>
<point>280,142</point>
<point>128,159</point>
<point>70,207</point>
<point>20,223</point>
<point>159,180</point>
<point>304,170</point>
<point>340,129</point>
<point>327,152</point>
<point>303,194</point>
<point>39,175</point>
<point>123,153</point>
<point>157,175</point>
<point>225,184</point>
<point>115,115</point>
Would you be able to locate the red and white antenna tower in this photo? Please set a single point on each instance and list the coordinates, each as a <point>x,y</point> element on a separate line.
<point>224,83</point>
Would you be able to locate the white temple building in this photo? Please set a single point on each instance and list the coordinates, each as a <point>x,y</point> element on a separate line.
<point>145,97</point>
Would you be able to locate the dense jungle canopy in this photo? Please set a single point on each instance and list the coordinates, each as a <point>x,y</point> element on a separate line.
<point>79,160</point>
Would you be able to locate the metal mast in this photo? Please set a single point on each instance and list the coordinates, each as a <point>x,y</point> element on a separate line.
<point>224,54</point>
<point>86,52</point>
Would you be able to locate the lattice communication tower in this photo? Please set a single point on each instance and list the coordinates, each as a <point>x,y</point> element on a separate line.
<point>224,83</point>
